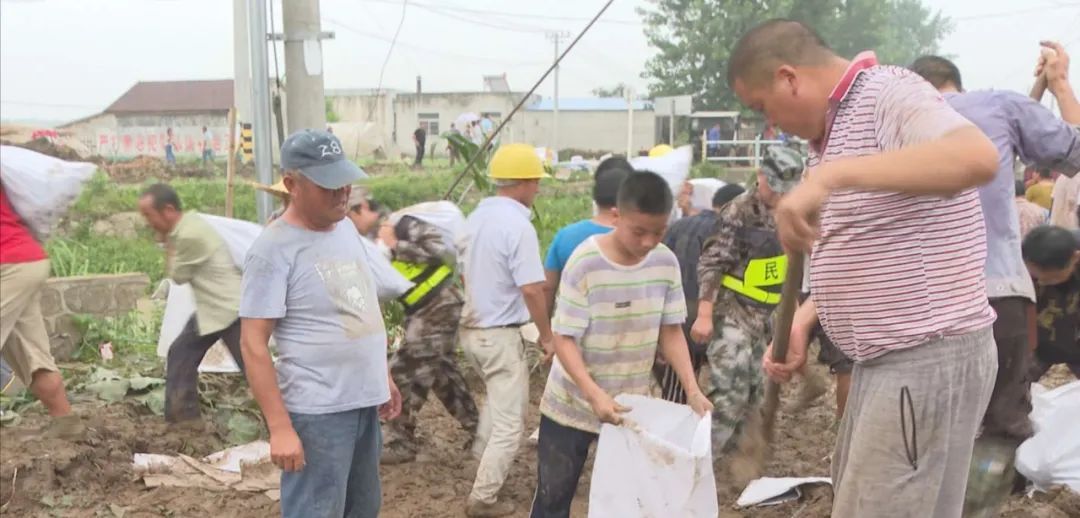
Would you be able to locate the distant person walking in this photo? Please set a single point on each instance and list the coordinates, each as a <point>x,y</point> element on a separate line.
<point>208,146</point>
<point>419,138</point>
<point>170,156</point>
<point>450,148</point>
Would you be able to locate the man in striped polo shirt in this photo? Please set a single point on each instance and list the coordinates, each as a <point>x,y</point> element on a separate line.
<point>620,298</point>
<point>890,209</point>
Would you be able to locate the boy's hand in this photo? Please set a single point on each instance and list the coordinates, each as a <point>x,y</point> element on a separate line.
<point>605,408</point>
<point>702,330</point>
<point>286,451</point>
<point>699,403</point>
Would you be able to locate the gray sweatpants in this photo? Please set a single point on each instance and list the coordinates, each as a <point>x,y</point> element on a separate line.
<point>905,441</point>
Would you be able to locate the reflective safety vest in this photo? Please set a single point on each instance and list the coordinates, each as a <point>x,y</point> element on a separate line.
<point>427,279</point>
<point>760,280</point>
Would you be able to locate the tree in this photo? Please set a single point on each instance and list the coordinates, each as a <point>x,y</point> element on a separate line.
<point>618,90</point>
<point>694,38</point>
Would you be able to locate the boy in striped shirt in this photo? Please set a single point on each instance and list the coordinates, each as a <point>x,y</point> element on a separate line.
<point>620,297</point>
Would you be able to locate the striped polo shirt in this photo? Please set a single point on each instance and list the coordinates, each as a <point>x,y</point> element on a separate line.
<point>613,313</point>
<point>891,270</point>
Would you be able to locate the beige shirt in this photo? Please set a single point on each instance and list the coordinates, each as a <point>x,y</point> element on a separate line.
<point>1065,194</point>
<point>200,258</point>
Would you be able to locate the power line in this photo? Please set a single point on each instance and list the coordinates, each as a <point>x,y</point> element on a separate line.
<point>393,41</point>
<point>437,52</point>
<point>508,13</point>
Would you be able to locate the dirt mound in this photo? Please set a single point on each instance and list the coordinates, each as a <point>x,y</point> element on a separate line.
<point>93,474</point>
<point>48,147</point>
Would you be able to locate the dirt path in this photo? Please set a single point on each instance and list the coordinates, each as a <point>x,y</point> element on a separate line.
<point>91,477</point>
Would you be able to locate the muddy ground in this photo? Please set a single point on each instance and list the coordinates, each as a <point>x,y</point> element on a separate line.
<point>92,477</point>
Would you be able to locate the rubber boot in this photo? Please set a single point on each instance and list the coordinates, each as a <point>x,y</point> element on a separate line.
<point>991,476</point>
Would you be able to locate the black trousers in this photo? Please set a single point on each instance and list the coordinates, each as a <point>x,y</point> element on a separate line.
<point>182,367</point>
<point>419,154</point>
<point>561,455</point>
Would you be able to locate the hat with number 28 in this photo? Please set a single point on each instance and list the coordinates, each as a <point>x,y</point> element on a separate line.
<point>317,154</point>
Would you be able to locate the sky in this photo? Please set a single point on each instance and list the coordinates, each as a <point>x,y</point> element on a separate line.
<point>65,59</point>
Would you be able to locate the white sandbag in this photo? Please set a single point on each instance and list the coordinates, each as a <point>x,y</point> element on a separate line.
<point>389,283</point>
<point>657,464</point>
<point>444,215</point>
<point>179,307</point>
<point>703,191</point>
<point>1052,455</point>
<point>237,234</point>
<point>673,167</point>
<point>41,188</point>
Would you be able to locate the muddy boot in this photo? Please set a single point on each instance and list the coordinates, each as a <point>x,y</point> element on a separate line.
<point>397,452</point>
<point>813,386</point>
<point>991,476</point>
<point>68,427</point>
<point>478,509</point>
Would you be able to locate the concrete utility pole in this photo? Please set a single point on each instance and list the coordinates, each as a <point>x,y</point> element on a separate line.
<point>629,122</point>
<point>241,62</point>
<point>556,37</point>
<point>305,103</point>
<point>260,104</point>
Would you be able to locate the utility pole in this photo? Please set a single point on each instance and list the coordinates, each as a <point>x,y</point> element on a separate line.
<point>241,65</point>
<point>629,122</point>
<point>305,103</point>
<point>260,104</point>
<point>556,37</point>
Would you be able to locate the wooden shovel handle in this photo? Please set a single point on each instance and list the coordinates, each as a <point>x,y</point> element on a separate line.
<point>789,299</point>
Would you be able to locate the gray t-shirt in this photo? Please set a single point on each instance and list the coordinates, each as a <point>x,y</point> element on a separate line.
<point>330,335</point>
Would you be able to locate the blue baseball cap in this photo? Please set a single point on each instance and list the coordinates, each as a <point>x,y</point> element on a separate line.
<point>318,155</point>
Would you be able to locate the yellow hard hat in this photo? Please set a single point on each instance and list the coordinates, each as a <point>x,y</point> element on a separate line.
<point>660,150</point>
<point>516,162</point>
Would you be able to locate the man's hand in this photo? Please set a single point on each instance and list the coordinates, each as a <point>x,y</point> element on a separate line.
<point>797,214</point>
<point>1054,65</point>
<point>700,403</point>
<point>286,452</point>
<point>548,345</point>
<point>391,409</point>
<point>796,355</point>
<point>387,235</point>
<point>605,408</point>
<point>702,330</point>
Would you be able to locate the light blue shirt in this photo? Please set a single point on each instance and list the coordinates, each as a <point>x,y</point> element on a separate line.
<point>500,254</point>
<point>331,340</point>
<point>1019,127</point>
<point>567,240</point>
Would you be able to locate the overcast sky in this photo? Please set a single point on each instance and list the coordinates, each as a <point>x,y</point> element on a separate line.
<point>63,59</point>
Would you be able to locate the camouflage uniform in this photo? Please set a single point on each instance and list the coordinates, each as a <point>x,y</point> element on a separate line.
<point>741,328</point>
<point>427,358</point>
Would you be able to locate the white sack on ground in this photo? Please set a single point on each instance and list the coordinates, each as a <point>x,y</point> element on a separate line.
<point>41,188</point>
<point>657,464</point>
<point>1052,455</point>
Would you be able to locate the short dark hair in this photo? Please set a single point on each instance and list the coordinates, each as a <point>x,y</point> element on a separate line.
<point>773,42</point>
<point>1049,247</point>
<point>1045,172</point>
<point>725,194</point>
<point>162,195</point>
<point>646,192</point>
<point>607,179</point>
<point>938,71</point>
<point>1021,189</point>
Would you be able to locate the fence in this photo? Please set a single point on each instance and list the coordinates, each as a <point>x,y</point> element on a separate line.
<point>738,152</point>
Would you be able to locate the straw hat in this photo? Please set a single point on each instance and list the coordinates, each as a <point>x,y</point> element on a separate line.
<point>278,189</point>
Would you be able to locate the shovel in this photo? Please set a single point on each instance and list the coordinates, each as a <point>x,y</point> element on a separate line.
<point>749,460</point>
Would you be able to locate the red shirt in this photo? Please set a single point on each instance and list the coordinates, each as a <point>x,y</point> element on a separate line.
<point>17,245</point>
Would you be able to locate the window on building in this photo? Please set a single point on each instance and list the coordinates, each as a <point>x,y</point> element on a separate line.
<point>430,123</point>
